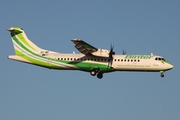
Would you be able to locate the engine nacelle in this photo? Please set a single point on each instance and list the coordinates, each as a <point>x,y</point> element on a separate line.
<point>101,53</point>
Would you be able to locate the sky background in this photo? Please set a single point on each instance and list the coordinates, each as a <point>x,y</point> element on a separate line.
<point>29,92</point>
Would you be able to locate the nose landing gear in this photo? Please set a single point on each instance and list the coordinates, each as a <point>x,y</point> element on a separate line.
<point>162,74</point>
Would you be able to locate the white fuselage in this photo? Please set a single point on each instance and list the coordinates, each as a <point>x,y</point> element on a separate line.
<point>120,62</point>
<point>93,60</point>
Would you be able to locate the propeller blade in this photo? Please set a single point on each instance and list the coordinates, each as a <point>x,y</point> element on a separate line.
<point>111,53</point>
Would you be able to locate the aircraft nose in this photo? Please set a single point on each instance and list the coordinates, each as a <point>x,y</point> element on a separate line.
<point>170,66</point>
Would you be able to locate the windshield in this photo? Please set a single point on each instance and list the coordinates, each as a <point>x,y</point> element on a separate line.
<point>158,58</point>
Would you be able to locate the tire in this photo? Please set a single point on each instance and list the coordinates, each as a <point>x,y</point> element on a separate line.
<point>93,72</point>
<point>99,75</point>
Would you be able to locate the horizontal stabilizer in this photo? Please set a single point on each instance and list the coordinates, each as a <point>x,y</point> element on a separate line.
<point>18,58</point>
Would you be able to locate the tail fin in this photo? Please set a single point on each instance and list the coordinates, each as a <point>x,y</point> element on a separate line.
<point>21,43</point>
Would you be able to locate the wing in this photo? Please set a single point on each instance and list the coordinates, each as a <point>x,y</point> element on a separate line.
<point>84,47</point>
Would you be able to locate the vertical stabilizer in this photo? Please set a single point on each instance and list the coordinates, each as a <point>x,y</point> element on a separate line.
<point>22,45</point>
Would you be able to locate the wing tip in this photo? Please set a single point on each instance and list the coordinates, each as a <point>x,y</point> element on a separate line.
<point>76,39</point>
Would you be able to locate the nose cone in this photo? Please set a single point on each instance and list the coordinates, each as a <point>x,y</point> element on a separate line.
<point>170,66</point>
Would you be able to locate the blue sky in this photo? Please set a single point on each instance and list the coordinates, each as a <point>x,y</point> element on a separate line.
<point>140,27</point>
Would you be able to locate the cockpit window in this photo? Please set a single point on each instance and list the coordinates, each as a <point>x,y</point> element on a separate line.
<point>160,59</point>
<point>163,59</point>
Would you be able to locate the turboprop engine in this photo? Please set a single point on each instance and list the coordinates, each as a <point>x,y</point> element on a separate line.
<point>101,52</point>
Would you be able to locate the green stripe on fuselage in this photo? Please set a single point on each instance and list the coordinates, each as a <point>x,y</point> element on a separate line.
<point>85,66</point>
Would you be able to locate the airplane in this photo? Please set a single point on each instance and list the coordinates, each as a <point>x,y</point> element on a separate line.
<point>90,59</point>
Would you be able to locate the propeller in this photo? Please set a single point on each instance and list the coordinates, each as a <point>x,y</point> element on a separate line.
<point>111,53</point>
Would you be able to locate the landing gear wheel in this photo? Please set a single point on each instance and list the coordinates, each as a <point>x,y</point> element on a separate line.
<point>162,75</point>
<point>100,75</point>
<point>93,73</point>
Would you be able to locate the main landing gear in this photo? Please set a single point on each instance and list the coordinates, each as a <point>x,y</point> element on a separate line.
<point>98,72</point>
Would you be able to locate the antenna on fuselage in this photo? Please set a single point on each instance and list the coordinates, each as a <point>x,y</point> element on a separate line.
<point>151,54</point>
<point>124,52</point>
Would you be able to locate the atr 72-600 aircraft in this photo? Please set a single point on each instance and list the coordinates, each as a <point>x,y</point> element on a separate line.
<point>93,60</point>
